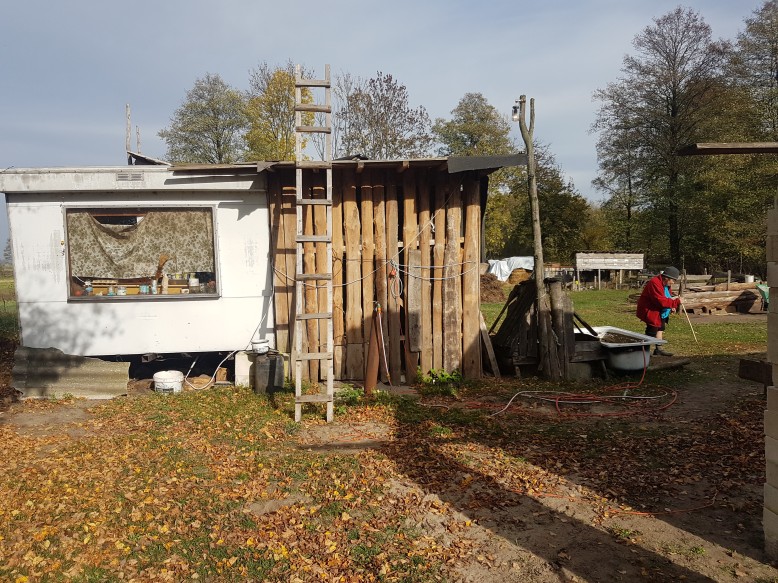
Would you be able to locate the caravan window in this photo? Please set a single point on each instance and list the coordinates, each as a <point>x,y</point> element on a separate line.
<point>139,253</point>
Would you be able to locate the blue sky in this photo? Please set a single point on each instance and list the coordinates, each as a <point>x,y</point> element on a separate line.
<point>69,68</point>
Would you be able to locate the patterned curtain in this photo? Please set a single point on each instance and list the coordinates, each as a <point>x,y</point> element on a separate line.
<point>119,251</point>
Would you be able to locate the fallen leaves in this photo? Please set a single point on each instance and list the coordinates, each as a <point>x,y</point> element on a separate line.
<point>214,486</point>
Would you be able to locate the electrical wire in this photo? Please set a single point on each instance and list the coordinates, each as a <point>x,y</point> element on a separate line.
<point>561,398</point>
<point>211,381</point>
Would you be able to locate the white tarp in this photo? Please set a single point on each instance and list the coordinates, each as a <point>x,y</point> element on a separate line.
<point>502,268</point>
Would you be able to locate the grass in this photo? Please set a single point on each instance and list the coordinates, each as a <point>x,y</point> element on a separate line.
<point>613,308</point>
<point>9,323</point>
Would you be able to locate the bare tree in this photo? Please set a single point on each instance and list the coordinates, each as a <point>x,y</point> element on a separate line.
<point>374,119</point>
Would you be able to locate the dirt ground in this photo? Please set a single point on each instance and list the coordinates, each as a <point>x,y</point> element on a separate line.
<point>570,526</point>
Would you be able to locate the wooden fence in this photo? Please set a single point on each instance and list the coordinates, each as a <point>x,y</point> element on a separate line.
<point>406,237</point>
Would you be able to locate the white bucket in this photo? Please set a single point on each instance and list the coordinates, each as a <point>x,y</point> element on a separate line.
<point>749,278</point>
<point>168,381</point>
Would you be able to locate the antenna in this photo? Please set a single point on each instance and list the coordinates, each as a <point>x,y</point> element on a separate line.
<point>129,129</point>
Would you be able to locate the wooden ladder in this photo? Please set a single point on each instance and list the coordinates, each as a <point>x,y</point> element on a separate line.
<point>306,203</point>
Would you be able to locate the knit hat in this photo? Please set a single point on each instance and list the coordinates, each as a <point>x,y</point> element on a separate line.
<point>671,272</point>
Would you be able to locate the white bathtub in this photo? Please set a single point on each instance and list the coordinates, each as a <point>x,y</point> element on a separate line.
<point>627,356</point>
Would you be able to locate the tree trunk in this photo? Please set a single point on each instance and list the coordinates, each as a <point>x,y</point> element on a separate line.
<point>548,361</point>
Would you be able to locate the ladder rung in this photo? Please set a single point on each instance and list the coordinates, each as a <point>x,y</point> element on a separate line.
<point>318,316</point>
<point>298,82</point>
<point>323,201</point>
<point>313,276</point>
<point>314,129</point>
<point>313,399</point>
<point>314,356</point>
<point>313,107</point>
<point>314,164</point>
<point>314,239</point>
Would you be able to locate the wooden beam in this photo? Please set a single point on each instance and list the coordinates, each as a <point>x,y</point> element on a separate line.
<point>368,255</point>
<point>338,316</point>
<point>488,345</point>
<point>708,149</point>
<point>354,351</point>
<point>452,282</point>
<point>425,235</point>
<point>379,216</point>
<point>471,282</point>
<point>393,302</point>
<point>410,242</point>
<point>281,285</point>
<point>441,193</point>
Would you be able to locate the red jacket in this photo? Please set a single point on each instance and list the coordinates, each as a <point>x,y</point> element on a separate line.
<point>653,300</point>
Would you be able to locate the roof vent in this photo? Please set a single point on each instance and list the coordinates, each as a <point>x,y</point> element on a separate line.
<point>129,177</point>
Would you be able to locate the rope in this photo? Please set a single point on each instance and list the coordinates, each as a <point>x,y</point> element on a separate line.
<point>430,223</point>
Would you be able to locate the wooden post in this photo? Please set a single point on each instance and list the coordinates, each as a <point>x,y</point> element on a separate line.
<point>410,243</point>
<point>354,349</point>
<point>452,283</point>
<point>426,285</point>
<point>488,345</point>
<point>368,255</point>
<point>281,283</point>
<point>289,261</point>
<point>393,301</point>
<point>471,283</point>
<point>559,324</point>
<point>546,344</point>
<point>441,191</point>
<point>379,215</point>
<point>338,331</point>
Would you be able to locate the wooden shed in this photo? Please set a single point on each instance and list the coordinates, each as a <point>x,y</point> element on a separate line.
<point>407,236</point>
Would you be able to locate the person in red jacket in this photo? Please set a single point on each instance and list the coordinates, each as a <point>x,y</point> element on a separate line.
<point>655,304</point>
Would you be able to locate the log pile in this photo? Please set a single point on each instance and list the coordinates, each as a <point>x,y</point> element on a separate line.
<point>708,302</point>
<point>728,297</point>
<point>722,297</point>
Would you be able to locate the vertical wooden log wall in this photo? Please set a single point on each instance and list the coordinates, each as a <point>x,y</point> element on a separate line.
<point>406,238</point>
